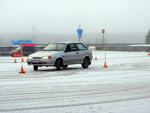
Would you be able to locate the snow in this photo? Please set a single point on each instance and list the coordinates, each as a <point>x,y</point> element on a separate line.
<point>123,87</point>
<point>140,45</point>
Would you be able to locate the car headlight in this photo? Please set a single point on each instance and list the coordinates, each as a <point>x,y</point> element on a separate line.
<point>47,57</point>
<point>29,57</point>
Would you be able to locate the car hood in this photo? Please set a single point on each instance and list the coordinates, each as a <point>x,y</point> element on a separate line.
<point>43,53</point>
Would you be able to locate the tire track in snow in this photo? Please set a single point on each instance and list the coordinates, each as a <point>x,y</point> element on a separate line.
<point>74,105</point>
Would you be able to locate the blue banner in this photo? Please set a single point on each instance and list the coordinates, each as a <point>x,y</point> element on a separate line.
<point>79,31</point>
<point>18,42</point>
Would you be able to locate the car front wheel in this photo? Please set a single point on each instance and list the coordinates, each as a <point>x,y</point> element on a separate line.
<point>35,68</point>
<point>58,64</point>
<point>65,66</point>
<point>86,63</point>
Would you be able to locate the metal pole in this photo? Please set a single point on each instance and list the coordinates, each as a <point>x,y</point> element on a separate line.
<point>105,50</point>
<point>79,39</point>
<point>103,39</point>
<point>21,56</point>
<point>79,28</point>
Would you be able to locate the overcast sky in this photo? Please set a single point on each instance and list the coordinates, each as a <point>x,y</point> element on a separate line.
<point>64,16</point>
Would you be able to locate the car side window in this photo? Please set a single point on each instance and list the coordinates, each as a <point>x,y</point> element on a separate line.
<point>71,47</point>
<point>81,47</point>
<point>28,48</point>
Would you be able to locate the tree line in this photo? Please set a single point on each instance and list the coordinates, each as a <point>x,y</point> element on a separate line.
<point>147,38</point>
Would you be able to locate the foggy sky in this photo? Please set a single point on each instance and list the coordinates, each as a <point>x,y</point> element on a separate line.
<point>64,16</point>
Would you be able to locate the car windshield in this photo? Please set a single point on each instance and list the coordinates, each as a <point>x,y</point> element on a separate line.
<point>55,47</point>
<point>18,48</point>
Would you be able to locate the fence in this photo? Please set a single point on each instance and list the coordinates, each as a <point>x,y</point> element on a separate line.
<point>4,51</point>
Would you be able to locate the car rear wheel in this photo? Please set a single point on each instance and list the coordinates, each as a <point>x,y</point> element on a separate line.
<point>86,63</point>
<point>35,68</point>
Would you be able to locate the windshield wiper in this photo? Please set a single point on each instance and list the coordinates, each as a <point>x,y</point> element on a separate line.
<point>51,50</point>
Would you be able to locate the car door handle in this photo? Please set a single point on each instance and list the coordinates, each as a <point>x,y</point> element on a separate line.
<point>77,52</point>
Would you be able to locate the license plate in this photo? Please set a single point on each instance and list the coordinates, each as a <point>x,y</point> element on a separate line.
<point>36,61</point>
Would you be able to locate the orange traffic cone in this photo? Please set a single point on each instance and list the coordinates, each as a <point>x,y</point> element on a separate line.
<point>95,58</point>
<point>22,71</point>
<point>95,54</point>
<point>15,61</point>
<point>22,59</point>
<point>105,65</point>
<point>149,53</point>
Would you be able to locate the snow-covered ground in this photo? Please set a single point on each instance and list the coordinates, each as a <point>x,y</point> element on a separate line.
<point>123,87</point>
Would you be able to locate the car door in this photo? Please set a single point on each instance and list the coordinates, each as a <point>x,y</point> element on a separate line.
<point>83,51</point>
<point>71,55</point>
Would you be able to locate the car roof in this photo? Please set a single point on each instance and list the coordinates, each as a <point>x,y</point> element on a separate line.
<point>67,42</point>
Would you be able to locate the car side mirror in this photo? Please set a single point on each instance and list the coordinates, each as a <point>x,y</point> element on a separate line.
<point>66,51</point>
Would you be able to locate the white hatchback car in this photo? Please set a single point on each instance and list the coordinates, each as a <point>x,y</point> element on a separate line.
<point>61,55</point>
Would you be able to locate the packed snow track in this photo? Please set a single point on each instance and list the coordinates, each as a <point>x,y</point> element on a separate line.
<point>123,87</point>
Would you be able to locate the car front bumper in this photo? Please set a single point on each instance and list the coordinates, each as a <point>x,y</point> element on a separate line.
<point>41,62</point>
